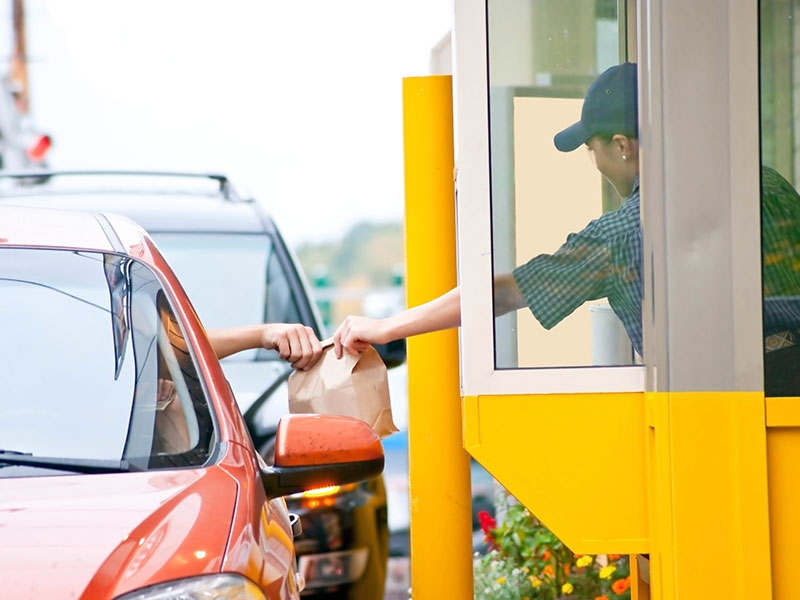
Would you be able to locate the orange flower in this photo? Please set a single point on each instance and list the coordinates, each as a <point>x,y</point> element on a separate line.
<point>566,569</point>
<point>603,597</point>
<point>620,585</point>
<point>548,570</point>
<point>613,556</point>
<point>546,554</point>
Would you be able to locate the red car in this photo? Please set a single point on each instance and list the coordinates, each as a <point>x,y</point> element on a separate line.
<point>126,470</point>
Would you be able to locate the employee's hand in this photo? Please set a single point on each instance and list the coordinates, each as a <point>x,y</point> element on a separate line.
<point>295,343</point>
<point>355,335</point>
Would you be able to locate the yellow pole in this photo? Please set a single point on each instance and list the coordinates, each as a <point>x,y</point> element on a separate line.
<point>439,484</point>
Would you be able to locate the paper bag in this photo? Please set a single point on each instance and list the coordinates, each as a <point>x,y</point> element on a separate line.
<point>351,386</point>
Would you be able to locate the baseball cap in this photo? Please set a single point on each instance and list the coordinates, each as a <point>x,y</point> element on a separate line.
<point>609,107</point>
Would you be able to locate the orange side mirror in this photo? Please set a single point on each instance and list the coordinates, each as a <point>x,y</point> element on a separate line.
<point>313,451</point>
<point>304,440</point>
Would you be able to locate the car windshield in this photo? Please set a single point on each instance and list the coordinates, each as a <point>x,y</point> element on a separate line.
<point>232,279</point>
<point>94,365</point>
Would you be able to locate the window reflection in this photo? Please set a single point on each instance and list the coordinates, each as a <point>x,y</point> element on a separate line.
<point>94,364</point>
<point>544,56</point>
<point>780,202</point>
<point>780,238</point>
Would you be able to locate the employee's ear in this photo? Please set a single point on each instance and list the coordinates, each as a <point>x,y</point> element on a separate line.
<point>624,145</point>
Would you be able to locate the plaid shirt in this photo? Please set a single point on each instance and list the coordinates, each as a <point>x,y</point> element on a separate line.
<point>602,261</point>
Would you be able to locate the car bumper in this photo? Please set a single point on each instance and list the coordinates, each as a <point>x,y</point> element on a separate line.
<point>344,543</point>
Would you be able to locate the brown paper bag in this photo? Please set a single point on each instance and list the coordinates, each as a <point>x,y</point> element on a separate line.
<point>349,386</point>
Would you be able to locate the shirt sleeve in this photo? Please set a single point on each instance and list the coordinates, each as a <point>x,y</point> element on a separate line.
<point>554,285</point>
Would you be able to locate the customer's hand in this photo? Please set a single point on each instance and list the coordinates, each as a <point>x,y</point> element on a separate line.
<point>166,393</point>
<point>171,429</point>
<point>295,343</point>
<point>356,334</point>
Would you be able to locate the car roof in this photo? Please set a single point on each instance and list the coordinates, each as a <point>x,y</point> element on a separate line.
<point>50,228</point>
<point>159,202</point>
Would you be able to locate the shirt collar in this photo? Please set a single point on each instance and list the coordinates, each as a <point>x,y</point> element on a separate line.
<point>635,188</point>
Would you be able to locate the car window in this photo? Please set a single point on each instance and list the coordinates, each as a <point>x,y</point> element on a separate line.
<point>281,306</point>
<point>94,364</point>
<point>232,279</point>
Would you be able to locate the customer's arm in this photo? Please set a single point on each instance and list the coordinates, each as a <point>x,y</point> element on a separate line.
<point>294,342</point>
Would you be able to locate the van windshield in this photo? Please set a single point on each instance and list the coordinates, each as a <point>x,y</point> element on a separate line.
<point>232,279</point>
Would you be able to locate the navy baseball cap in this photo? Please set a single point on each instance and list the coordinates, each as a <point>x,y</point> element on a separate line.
<point>609,107</point>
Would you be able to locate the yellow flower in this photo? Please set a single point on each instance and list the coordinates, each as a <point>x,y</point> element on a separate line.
<point>535,581</point>
<point>525,570</point>
<point>567,589</point>
<point>501,580</point>
<point>584,561</point>
<point>607,572</point>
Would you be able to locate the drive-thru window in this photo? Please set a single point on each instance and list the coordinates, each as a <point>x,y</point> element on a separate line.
<point>678,397</point>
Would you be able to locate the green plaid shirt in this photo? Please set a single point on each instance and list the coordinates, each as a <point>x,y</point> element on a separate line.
<point>604,261</point>
<point>601,261</point>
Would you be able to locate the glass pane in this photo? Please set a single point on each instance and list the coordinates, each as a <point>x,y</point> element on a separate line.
<point>232,279</point>
<point>780,202</point>
<point>563,275</point>
<point>93,364</point>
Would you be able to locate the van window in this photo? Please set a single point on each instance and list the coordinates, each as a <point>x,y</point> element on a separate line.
<point>232,280</point>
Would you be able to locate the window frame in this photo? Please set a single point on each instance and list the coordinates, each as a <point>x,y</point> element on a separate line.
<point>471,115</point>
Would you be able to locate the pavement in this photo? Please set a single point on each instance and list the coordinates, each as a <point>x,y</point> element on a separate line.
<point>398,579</point>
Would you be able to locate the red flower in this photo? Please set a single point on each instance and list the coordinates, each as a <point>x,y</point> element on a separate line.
<point>620,585</point>
<point>487,525</point>
<point>487,521</point>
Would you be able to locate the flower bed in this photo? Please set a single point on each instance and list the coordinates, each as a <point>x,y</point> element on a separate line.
<point>526,561</point>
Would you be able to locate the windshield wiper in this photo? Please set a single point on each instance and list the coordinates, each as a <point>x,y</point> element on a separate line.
<point>77,465</point>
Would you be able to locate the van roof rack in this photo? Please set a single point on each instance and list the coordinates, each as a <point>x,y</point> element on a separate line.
<point>41,175</point>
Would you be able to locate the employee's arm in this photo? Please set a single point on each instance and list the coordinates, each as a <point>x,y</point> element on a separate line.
<point>355,334</point>
<point>507,296</point>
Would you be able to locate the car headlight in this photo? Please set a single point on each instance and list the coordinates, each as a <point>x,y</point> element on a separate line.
<point>206,587</point>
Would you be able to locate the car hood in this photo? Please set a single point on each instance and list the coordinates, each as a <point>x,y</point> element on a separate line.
<point>96,536</point>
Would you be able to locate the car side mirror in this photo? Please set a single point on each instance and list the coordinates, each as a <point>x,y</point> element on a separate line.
<point>393,353</point>
<point>314,451</point>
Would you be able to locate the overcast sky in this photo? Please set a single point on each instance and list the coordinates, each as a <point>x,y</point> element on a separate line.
<point>300,100</point>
